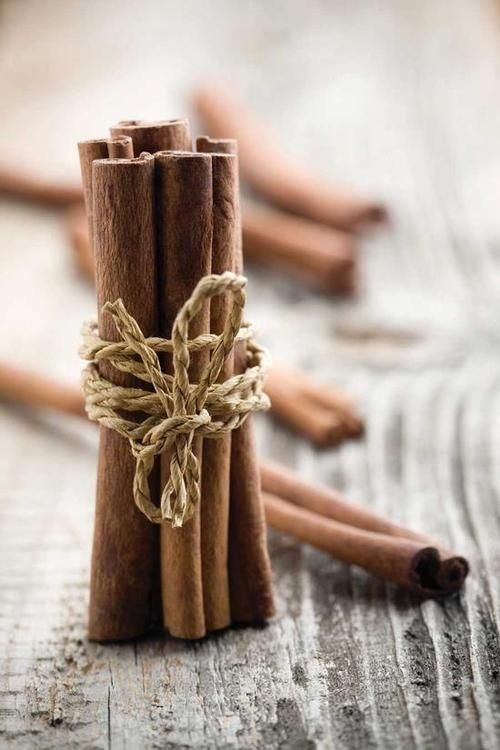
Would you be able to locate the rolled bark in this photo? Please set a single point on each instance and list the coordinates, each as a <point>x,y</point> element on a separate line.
<point>184,247</point>
<point>124,540</point>
<point>249,565</point>
<point>88,152</point>
<point>217,453</point>
<point>15,183</point>
<point>31,389</point>
<point>163,135</point>
<point>274,174</point>
<point>76,221</point>
<point>323,414</point>
<point>403,561</point>
<point>311,252</point>
<point>120,147</point>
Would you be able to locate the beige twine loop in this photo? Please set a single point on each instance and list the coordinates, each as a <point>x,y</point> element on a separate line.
<point>176,410</point>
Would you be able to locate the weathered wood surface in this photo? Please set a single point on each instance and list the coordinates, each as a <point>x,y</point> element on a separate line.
<point>399,96</point>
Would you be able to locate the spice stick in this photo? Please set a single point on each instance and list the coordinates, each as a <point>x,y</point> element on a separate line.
<point>22,386</point>
<point>88,152</point>
<point>124,540</point>
<point>249,566</point>
<point>323,414</point>
<point>217,453</point>
<point>163,135</point>
<point>120,147</point>
<point>274,174</point>
<point>406,562</point>
<point>311,252</point>
<point>76,221</point>
<point>184,246</point>
<point>15,183</point>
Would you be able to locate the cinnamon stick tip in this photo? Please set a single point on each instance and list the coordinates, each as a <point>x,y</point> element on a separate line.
<point>433,576</point>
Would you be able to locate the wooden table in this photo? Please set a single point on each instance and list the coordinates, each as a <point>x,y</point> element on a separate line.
<point>401,98</point>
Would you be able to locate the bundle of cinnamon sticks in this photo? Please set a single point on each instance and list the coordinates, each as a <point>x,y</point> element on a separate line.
<point>312,513</point>
<point>159,222</point>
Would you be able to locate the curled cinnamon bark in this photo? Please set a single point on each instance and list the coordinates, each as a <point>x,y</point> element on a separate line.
<point>18,184</point>
<point>163,135</point>
<point>311,252</point>
<point>120,147</point>
<point>125,542</point>
<point>353,533</point>
<point>274,174</point>
<point>31,389</point>
<point>184,247</point>
<point>323,414</point>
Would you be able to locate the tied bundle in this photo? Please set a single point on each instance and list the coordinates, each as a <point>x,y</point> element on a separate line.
<point>177,410</point>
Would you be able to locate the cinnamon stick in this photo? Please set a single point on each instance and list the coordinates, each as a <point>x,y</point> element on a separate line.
<point>313,253</point>
<point>88,152</point>
<point>163,135</point>
<point>18,184</point>
<point>120,147</point>
<point>76,222</point>
<point>217,453</point>
<point>274,174</point>
<point>28,388</point>
<point>124,540</point>
<point>404,561</point>
<point>184,246</point>
<point>323,414</point>
<point>249,566</point>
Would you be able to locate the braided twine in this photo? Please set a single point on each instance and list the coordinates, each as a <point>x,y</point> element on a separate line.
<point>175,411</point>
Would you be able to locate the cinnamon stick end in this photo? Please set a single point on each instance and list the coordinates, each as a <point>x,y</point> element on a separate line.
<point>435,577</point>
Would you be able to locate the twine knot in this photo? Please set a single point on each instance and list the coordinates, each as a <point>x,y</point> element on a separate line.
<point>176,410</point>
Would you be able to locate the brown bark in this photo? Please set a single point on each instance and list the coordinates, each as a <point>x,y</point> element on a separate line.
<point>124,540</point>
<point>249,565</point>
<point>164,135</point>
<point>18,184</point>
<point>273,173</point>
<point>184,203</point>
<point>311,252</point>
<point>88,152</point>
<point>404,561</point>
<point>120,147</point>
<point>217,453</point>
<point>28,388</point>
<point>76,221</point>
<point>323,414</point>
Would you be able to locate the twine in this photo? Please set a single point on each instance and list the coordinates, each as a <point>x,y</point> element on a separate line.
<point>176,410</point>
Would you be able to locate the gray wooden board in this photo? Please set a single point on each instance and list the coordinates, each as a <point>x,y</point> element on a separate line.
<point>399,97</point>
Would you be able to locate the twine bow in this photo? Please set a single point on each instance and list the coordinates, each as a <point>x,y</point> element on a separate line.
<point>176,410</point>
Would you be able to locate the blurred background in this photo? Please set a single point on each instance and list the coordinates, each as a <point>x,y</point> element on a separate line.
<point>400,101</point>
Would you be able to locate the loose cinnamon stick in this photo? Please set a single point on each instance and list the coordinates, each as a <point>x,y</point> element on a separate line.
<point>323,414</point>
<point>184,212</point>
<point>124,540</point>
<point>217,453</point>
<point>28,388</point>
<point>274,174</point>
<point>76,221</point>
<point>27,187</point>
<point>317,498</point>
<point>404,561</point>
<point>163,135</point>
<point>311,252</point>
